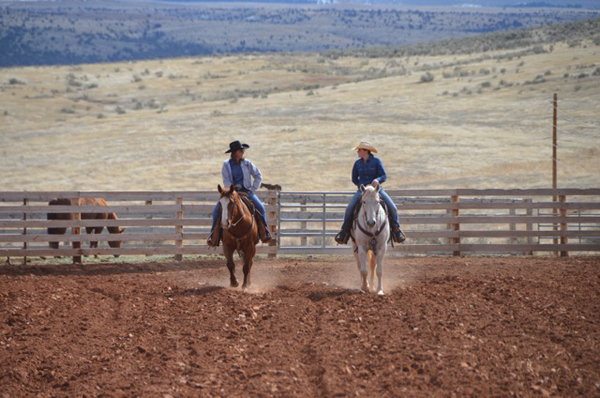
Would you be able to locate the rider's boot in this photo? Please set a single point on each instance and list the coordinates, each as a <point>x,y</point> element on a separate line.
<point>215,235</point>
<point>397,235</point>
<point>343,236</point>
<point>263,232</point>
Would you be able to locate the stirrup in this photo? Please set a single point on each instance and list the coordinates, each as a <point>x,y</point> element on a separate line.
<point>342,237</point>
<point>209,240</point>
<point>268,238</point>
<point>398,236</point>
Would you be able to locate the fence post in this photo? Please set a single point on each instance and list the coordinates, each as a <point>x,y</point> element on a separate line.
<point>149,203</point>
<point>273,200</point>
<point>77,231</point>
<point>456,223</point>
<point>324,218</point>
<point>449,240</point>
<point>529,225</point>
<point>512,226</point>
<point>179,228</point>
<point>25,244</point>
<point>303,224</point>
<point>564,239</point>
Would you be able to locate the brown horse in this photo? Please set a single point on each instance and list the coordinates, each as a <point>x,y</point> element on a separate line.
<point>240,233</point>
<point>84,216</point>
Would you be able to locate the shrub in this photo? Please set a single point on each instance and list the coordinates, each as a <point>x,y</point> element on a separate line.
<point>427,77</point>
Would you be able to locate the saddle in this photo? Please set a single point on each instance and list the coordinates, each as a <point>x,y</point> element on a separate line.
<point>249,204</point>
<point>262,229</point>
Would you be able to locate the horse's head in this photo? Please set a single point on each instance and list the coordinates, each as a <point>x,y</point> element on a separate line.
<point>370,203</point>
<point>229,203</point>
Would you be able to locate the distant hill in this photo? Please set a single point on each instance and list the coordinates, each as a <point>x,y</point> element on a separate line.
<point>54,33</point>
<point>529,40</point>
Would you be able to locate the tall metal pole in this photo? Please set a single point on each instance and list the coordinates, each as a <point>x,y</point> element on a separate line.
<point>554,144</point>
<point>554,161</point>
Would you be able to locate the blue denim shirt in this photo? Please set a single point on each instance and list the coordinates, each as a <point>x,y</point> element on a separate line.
<point>364,173</point>
<point>237,173</point>
<point>252,175</point>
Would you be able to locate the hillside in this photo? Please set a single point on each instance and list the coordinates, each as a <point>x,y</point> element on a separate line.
<point>473,120</point>
<point>74,32</point>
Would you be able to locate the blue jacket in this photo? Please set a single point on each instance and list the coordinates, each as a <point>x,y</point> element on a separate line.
<point>365,173</point>
<point>250,171</point>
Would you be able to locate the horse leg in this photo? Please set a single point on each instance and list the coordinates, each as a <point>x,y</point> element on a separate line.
<point>248,260</point>
<point>56,231</point>
<point>91,231</point>
<point>372,258</point>
<point>380,258</point>
<point>228,252</point>
<point>361,262</point>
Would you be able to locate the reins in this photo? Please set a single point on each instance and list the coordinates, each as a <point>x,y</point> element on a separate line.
<point>239,239</point>
<point>373,236</point>
<point>234,224</point>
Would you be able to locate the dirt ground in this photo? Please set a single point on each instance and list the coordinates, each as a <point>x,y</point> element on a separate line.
<point>472,326</point>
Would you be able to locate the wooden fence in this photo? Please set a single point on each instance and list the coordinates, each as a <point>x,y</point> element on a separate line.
<point>455,221</point>
<point>458,221</point>
<point>155,223</point>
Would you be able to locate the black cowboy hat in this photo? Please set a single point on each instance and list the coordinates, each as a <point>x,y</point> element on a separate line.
<point>236,145</point>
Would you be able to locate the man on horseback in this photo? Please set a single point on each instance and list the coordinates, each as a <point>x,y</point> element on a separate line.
<point>240,172</point>
<point>369,170</point>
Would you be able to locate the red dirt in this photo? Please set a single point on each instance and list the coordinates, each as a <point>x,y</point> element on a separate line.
<point>473,326</point>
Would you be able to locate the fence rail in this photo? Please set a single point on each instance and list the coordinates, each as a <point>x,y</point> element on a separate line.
<point>166,223</point>
<point>460,221</point>
<point>454,221</point>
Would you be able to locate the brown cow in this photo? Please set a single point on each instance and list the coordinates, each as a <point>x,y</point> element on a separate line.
<point>84,216</point>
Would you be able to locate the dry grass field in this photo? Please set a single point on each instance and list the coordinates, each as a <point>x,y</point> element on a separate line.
<point>485,121</point>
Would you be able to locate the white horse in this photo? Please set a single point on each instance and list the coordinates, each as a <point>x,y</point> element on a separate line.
<point>370,233</point>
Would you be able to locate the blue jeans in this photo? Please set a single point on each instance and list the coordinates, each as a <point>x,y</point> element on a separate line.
<point>257,203</point>
<point>356,198</point>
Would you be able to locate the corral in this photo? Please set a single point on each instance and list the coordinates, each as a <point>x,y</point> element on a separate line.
<point>449,326</point>
<point>442,221</point>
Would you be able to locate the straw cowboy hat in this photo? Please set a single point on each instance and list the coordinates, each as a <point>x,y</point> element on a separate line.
<point>236,145</point>
<point>366,145</point>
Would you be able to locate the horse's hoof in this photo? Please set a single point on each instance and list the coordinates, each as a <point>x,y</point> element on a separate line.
<point>380,293</point>
<point>234,284</point>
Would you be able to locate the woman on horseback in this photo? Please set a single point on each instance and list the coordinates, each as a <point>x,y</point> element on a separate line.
<point>240,172</point>
<point>369,170</point>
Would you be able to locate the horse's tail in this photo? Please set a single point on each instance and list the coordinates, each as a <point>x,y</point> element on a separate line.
<point>371,260</point>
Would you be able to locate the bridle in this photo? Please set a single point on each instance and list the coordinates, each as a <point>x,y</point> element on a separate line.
<point>373,236</point>
<point>236,203</point>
